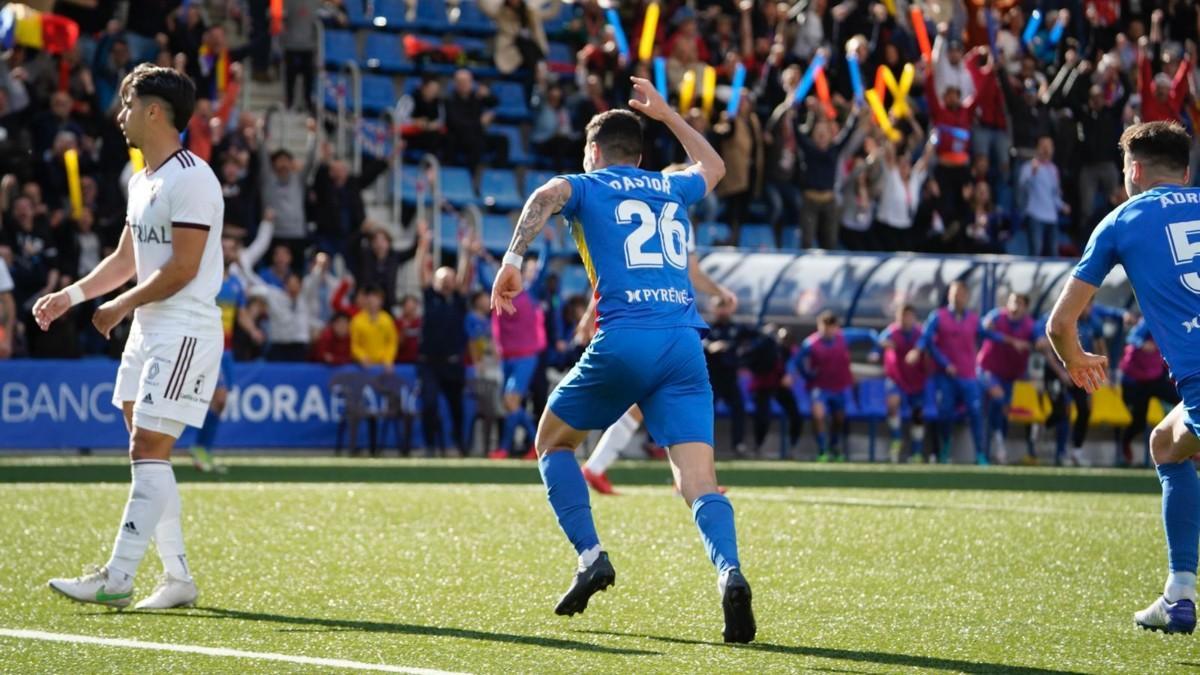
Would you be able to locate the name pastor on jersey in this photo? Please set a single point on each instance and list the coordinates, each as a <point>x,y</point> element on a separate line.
<point>678,296</point>
<point>643,182</point>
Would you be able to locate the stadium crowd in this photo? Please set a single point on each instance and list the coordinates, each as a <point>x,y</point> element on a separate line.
<point>1001,137</point>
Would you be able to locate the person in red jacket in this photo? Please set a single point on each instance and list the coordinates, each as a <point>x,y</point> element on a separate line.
<point>1162,95</point>
<point>952,119</point>
<point>333,344</point>
<point>408,329</point>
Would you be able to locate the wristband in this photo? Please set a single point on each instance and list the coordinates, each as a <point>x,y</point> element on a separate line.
<point>514,259</point>
<point>75,293</point>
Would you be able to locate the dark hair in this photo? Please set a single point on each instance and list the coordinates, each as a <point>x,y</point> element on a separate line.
<point>339,315</point>
<point>476,294</point>
<point>1160,145</point>
<point>908,307</point>
<point>619,135</point>
<point>372,289</point>
<point>281,152</point>
<point>827,318</point>
<point>1022,298</point>
<point>409,296</point>
<point>174,89</point>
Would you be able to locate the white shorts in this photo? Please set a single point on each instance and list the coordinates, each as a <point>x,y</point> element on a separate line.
<point>169,376</point>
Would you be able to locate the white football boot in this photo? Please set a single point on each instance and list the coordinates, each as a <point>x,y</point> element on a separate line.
<point>95,587</point>
<point>170,593</point>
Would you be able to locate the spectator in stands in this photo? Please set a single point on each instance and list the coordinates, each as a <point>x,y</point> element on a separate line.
<point>856,203</point>
<point>299,42</point>
<point>1143,376</point>
<point>240,196</point>
<point>282,184</point>
<point>1098,121</point>
<point>57,119</point>
<point>1041,190</point>
<point>381,263</point>
<point>767,359</point>
<point>250,336</point>
<point>986,225</point>
<point>408,330</point>
<point>520,36</point>
<point>373,332</point>
<point>591,102</point>
<point>899,183</point>
<point>338,208</point>
<point>423,117</point>
<point>1162,94</point>
<point>740,142</point>
<point>291,326</point>
<point>469,111</point>
<point>8,312</point>
<point>520,339</point>
<point>821,144</point>
<point>950,336</point>
<point>443,344</point>
<point>333,344</point>
<point>951,117</point>
<point>782,159</point>
<point>1029,118</point>
<point>282,265</point>
<point>35,254</point>
<point>553,136</point>
<point>485,385</point>
<point>950,70</point>
<point>824,361</point>
<point>990,137</point>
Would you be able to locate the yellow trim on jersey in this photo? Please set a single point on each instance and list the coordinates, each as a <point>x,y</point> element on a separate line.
<point>584,254</point>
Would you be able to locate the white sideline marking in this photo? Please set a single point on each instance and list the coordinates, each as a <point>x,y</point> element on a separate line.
<point>213,651</point>
<point>949,506</point>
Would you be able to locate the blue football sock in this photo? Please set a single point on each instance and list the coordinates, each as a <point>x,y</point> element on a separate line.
<point>975,421</point>
<point>1181,513</point>
<point>1061,431</point>
<point>714,516</point>
<point>511,421</point>
<point>528,424</point>
<point>204,437</point>
<point>569,498</point>
<point>822,442</point>
<point>895,427</point>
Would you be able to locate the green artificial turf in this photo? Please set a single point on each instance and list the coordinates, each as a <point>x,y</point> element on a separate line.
<point>457,566</point>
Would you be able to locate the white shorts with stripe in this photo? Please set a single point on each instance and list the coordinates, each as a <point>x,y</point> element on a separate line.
<point>169,376</point>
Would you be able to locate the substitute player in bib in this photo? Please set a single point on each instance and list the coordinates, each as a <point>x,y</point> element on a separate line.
<point>171,363</point>
<point>632,232</point>
<point>1154,235</point>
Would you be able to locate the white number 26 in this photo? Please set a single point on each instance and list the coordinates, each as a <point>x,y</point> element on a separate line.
<point>1185,245</point>
<point>671,232</point>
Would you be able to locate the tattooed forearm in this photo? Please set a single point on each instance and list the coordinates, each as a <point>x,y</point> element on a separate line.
<point>543,203</point>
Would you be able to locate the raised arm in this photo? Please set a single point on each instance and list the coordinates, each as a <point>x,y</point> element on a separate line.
<point>650,103</point>
<point>706,284</point>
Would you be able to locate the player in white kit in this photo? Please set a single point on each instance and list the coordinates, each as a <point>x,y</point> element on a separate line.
<point>172,241</point>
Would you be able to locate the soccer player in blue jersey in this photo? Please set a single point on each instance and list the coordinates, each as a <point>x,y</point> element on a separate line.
<point>1155,235</point>
<point>632,231</point>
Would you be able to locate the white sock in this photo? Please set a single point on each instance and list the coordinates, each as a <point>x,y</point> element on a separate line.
<point>893,422</point>
<point>168,535</point>
<point>589,556</point>
<point>1180,586</point>
<point>611,444</point>
<point>147,498</point>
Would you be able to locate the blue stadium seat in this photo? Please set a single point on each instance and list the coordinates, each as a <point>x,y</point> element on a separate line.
<point>872,399</point>
<point>498,187</point>
<point>756,236</point>
<point>473,47</point>
<point>791,238</point>
<point>560,59</point>
<point>472,20</point>
<point>711,234</point>
<point>497,232</point>
<point>456,186</point>
<point>392,13</point>
<point>517,154</point>
<point>378,93</point>
<point>408,184</point>
<point>573,280</point>
<point>340,47</point>
<point>449,230</point>
<point>385,51</point>
<point>356,14</point>
<point>431,15</point>
<point>536,179</point>
<point>558,23</point>
<point>513,106</point>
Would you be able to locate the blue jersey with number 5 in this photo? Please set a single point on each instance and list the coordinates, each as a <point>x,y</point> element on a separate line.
<point>1156,237</point>
<point>632,230</point>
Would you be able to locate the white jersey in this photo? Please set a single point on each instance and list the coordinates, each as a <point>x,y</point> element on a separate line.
<point>182,193</point>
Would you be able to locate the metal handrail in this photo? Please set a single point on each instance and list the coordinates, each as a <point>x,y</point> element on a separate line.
<point>431,165</point>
